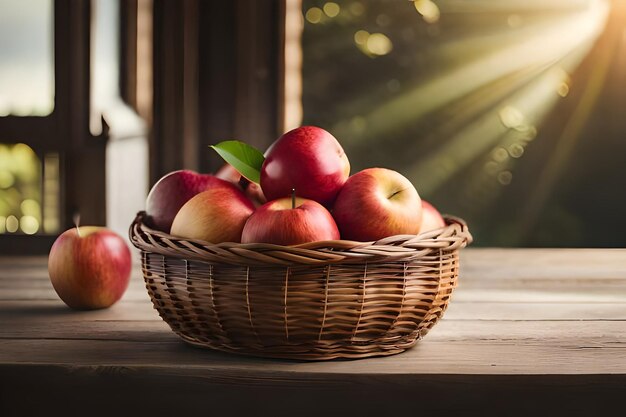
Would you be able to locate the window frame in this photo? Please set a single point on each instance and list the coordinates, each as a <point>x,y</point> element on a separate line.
<point>65,131</point>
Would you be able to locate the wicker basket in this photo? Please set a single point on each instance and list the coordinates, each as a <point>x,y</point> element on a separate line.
<point>321,300</point>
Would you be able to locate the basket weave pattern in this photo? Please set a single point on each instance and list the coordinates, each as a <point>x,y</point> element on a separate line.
<point>322,300</point>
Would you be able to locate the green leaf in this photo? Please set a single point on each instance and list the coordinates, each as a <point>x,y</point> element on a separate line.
<point>246,159</point>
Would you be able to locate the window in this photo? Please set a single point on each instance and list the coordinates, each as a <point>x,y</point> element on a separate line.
<point>50,165</point>
<point>26,48</point>
<point>29,182</point>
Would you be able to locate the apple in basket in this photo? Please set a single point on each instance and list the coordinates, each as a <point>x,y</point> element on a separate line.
<point>307,159</point>
<point>169,194</point>
<point>89,267</point>
<point>215,215</point>
<point>431,218</point>
<point>290,221</point>
<point>250,189</point>
<point>376,203</point>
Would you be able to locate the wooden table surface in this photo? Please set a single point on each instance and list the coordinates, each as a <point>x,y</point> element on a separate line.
<point>528,331</point>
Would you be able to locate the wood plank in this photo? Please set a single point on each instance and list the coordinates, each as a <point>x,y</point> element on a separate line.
<point>136,283</point>
<point>46,292</point>
<point>560,333</point>
<point>533,311</point>
<point>586,265</point>
<point>168,392</point>
<point>566,295</point>
<point>476,357</point>
<point>151,331</point>
<point>34,284</point>
<point>55,311</point>
<point>21,261</point>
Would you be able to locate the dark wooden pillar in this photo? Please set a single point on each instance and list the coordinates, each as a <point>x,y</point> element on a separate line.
<point>82,156</point>
<point>217,69</point>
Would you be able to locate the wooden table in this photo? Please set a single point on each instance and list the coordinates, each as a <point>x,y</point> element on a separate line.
<point>528,332</point>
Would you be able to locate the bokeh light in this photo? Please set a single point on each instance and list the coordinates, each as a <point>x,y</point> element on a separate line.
<point>20,189</point>
<point>356,8</point>
<point>428,9</point>
<point>360,37</point>
<point>29,225</point>
<point>511,117</point>
<point>563,89</point>
<point>12,224</point>
<point>331,9</point>
<point>314,15</point>
<point>505,177</point>
<point>379,44</point>
<point>6,179</point>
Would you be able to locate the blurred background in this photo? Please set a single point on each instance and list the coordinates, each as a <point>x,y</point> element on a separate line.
<point>507,113</point>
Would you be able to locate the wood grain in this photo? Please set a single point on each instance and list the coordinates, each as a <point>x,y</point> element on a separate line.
<point>536,328</point>
<point>488,355</point>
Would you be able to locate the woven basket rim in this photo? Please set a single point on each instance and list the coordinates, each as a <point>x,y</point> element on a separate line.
<point>453,236</point>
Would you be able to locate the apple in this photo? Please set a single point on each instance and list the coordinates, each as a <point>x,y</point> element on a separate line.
<point>376,203</point>
<point>252,190</point>
<point>215,215</point>
<point>307,159</point>
<point>290,221</point>
<point>228,173</point>
<point>169,194</point>
<point>89,267</point>
<point>431,218</point>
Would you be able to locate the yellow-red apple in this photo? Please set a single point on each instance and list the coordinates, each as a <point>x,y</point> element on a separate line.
<point>89,267</point>
<point>169,194</point>
<point>309,160</point>
<point>288,221</point>
<point>376,203</point>
<point>431,218</point>
<point>215,215</point>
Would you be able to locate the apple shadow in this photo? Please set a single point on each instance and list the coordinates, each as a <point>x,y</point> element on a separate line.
<point>41,310</point>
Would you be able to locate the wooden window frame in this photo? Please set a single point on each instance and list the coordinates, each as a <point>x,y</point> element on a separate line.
<point>65,131</point>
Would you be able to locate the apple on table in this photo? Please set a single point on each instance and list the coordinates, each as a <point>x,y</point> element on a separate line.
<point>89,267</point>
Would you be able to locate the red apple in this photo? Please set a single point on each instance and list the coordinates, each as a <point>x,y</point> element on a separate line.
<point>309,160</point>
<point>431,218</point>
<point>254,193</point>
<point>376,203</point>
<point>172,191</point>
<point>228,173</point>
<point>252,190</point>
<point>215,215</point>
<point>286,222</point>
<point>89,267</point>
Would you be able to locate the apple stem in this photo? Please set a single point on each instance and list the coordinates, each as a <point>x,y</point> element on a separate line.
<point>293,198</point>
<point>77,223</point>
